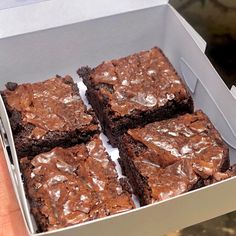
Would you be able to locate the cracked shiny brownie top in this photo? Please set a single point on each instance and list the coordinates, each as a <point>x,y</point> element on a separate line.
<point>47,114</point>
<point>166,158</point>
<point>73,185</point>
<point>191,136</point>
<point>52,105</point>
<point>138,82</point>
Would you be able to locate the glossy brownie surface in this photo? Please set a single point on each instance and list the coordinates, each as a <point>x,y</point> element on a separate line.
<point>73,185</point>
<point>170,157</point>
<point>138,82</point>
<point>47,114</point>
<point>52,105</point>
<point>191,136</point>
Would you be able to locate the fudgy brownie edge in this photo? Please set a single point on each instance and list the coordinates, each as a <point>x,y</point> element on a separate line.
<point>29,146</point>
<point>114,124</point>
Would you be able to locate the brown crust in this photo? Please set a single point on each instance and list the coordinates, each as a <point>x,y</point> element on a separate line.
<point>41,221</point>
<point>78,167</point>
<point>114,126</point>
<point>127,149</point>
<point>26,146</point>
<point>131,149</point>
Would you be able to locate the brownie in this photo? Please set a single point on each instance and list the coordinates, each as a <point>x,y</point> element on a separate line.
<point>170,157</point>
<point>67,186</point>
<point>135,90</point>
<point>47,114</point>
<point>219,176</point>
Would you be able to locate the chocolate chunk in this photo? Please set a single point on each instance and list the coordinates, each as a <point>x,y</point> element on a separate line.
<point>11,86</point>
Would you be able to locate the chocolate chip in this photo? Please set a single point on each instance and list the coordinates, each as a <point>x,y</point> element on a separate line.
<point>11,86</point>
<point>84,71</point>
<point>68,80</point>
<point>15,120</point>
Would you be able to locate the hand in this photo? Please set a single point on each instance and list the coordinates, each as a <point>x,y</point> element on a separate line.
<point>11,221</point>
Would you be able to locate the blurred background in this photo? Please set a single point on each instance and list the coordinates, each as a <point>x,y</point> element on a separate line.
<point>215,20</point>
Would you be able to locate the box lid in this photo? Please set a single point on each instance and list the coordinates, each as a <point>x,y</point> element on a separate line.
<point>233,91</point>
<point>16,3</point>
<point>55,13</point>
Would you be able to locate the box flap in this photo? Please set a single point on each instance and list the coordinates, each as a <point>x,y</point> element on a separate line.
<point>195,35</point>
<point>208,96</point>
<point>233,91</point>
<point>16,3</point>
<point>55,13</point>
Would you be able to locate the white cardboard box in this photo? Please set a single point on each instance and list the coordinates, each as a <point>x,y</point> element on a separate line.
<point>57,37</point>
<point>5,4</point>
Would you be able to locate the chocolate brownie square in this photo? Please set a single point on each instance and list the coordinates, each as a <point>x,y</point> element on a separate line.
<point>47,114</point>
<point>135,90</point>
<point>67,186</point>
<point>219,176</point>
<point>170,157</point>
